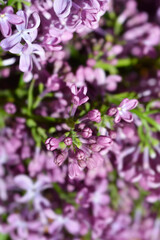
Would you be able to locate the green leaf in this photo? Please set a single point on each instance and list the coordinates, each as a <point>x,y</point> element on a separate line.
<point>107,67</point>
<point>42,132</point>
<point>31,123</point>
<point>52,130</point>
<point>126,62</point>
<point>118,28</point>
<point>12,2</point>
<point>4,236</point>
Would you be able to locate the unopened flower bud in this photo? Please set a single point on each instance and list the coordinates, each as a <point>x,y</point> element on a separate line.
<point>10,108</point>
<point>104,141</point>
<point>112,111</point>
<point>68,141</point>
<point>52,143</point>
<point>80,155</point>
<point>94,115</point>
<point>60,159</point>
<point>87,132</point>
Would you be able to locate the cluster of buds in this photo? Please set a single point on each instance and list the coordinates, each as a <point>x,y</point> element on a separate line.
<point>81,147</point>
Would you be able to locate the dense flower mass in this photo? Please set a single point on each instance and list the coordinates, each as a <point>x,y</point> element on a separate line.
<point>80,120</point>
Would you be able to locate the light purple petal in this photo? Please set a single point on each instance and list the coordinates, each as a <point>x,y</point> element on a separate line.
<point>17,49</point>
<point>23,25</point>
<point>62,7</point>
<point>126,116</point>
<point>27,197</point>
<point>37,49</point>
<point>124,101</point>
<point>37,22</point>
<point>72,226</point>
<point>131,104</point>
<point>14,19</point>
<point>5,28</point>
<point>10,42</point>
<point>23,182</point>
<point>74,89</point>
<point>25,63</point>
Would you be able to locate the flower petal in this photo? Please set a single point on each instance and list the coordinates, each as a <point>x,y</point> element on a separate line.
<point>11,41</point>
<point>23,182</point>
<point>62,7</point>
<point>131,104</point>
<point>126,116</point>
<point>5,28</point>
<point>14,19</point>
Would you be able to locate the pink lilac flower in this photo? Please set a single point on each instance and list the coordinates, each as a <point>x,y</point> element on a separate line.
<point>122,112</point>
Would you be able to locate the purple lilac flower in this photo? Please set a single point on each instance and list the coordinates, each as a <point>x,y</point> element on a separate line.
<point>23,32</point>
<point>122,112</point>
<point>7,17</point>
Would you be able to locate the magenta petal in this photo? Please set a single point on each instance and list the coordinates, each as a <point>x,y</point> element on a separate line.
<point>5,28</point>
<point>72,226</point>
<point>62,7</point>
<point>131,104</point>
<point>8,9</point>
<point>117,118</point>
<point>14,19</point>
<point>126,116</point>
<point>124,101</point>
<point>84,100</point>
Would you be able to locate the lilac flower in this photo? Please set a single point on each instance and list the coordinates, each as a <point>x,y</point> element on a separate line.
<point>122,112</point>
<point>33,190</point>
<point>7,17</point>
<point>52,143</point>
<point>10,108</point>
<point>23,32</point>
<point>27,56</point>
<point>60,221</point>
<point>79,97</point>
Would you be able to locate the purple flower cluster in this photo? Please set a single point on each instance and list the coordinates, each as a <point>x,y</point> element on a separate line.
<point>80,120</point>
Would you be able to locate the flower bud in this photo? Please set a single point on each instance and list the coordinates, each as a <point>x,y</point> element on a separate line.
<point>52,143</point>
<point>10,108</point>
<point>104,141</point>
<point>94,115</point>
<point>60,159</point>
<point>80,155</point>
<point>87,132</point>
<point>112,111</point>
<point>68,141</point>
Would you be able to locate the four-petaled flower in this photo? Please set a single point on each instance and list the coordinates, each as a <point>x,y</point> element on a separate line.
<point>122,111</point>
<point>6,18</point>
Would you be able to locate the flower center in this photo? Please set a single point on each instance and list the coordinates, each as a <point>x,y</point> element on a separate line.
<point>2,15</point>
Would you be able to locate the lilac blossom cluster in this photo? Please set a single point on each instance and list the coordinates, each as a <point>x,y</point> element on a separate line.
<point>80,120</point>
